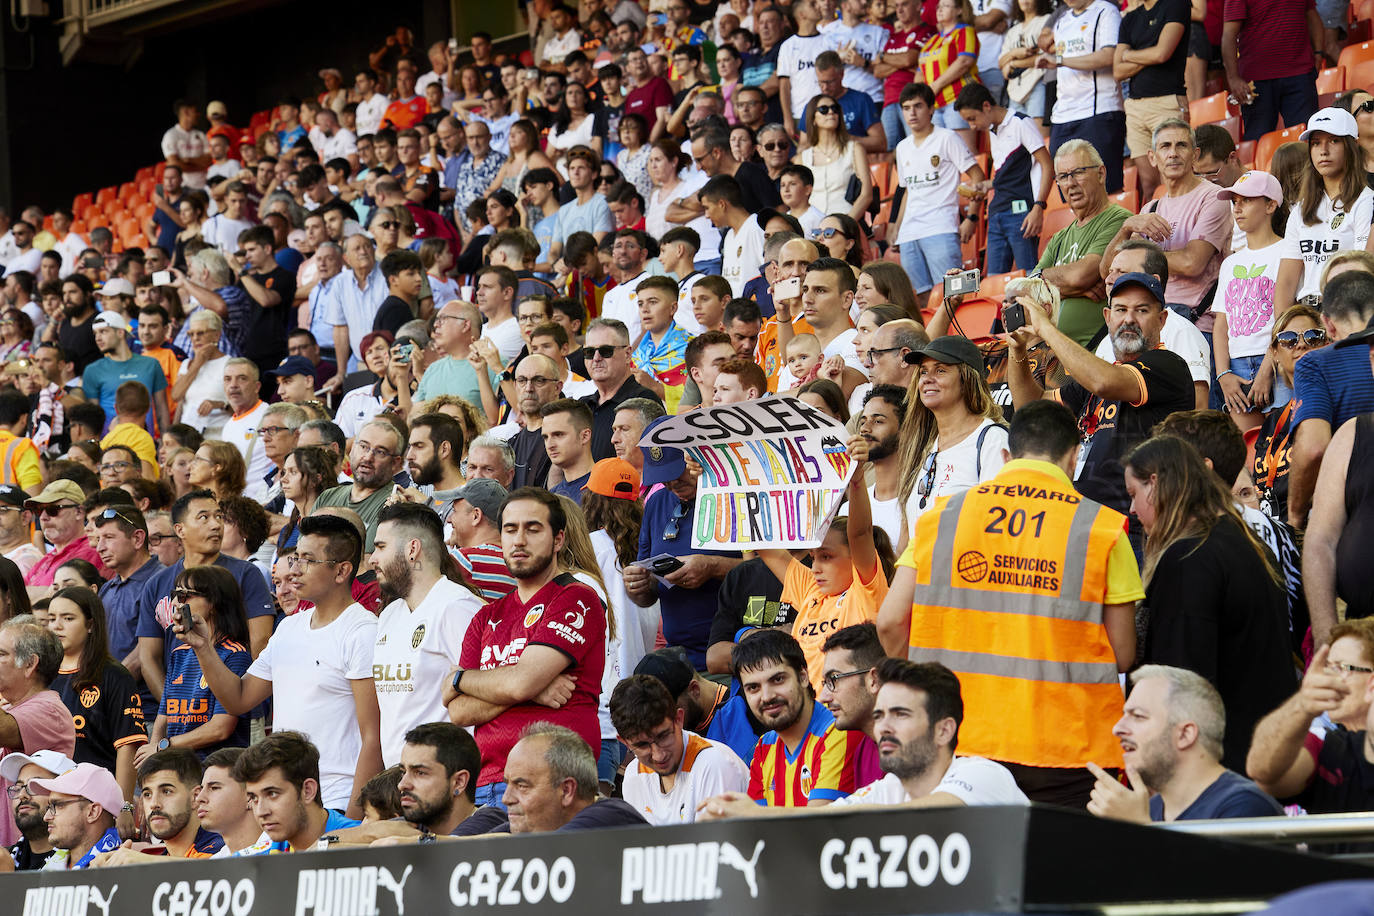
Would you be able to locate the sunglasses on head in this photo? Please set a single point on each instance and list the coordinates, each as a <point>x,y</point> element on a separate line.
<point>1312,337</point>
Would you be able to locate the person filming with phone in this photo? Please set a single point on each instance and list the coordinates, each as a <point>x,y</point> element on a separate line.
<point>1117,403</point>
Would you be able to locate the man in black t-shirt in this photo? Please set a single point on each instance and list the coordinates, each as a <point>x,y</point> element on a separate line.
<point>272,289</point>
<point>1117,404</point>
<point>33,849</point>
<point>75,333</point>
<point>750,597</point>
<point>405,277</point>
<point>1155,30</point>
<point>536,384</point>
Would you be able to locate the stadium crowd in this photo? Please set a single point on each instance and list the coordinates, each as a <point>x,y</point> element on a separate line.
<point>325,517</point>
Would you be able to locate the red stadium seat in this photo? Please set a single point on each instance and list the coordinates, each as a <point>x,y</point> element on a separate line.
<point>1209,108</point>
<point>126,189</point>
<point>144,211</point>
<point>1360,31</point>
<point>1264,149</point>
<point>1361,9</point>
<point>158,169</point>
<point>81,201</point>
<point>96,220</point>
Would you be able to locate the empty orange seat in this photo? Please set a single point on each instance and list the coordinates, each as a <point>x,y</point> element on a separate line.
<point>81,201</point>
<point>126,189</point>
<point>1209,108</point>
<point>144,173</point>
<point>1357,62</point>
<point>1361,9</point>
<point>1054,221</point>
<point>1130,178</point>
<point>47,222</point>
<point>158,169</point>
<point>145,211</point>
<point>1128,199</point>
<point>1332,79</point>
<point>105,195</point>
<point>96,220</point>
<point>79,226</point>
<point>113,208</point>
<point>1264,148</point>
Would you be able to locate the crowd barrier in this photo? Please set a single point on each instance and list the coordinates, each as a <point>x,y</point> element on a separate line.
<point>904,861</point>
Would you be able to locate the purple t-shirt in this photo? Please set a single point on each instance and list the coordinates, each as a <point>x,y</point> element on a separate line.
<point>1196,215</point>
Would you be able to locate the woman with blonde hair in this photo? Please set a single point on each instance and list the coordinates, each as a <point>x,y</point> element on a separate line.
<point>219,466</point>
<point>1214,600</point>
<point>953,437</point>
<point>178,471</point>
<point>473,421</point>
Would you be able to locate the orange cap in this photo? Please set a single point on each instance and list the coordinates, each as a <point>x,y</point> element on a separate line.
<point>614,477</point>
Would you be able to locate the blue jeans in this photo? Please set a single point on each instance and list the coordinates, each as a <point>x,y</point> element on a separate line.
<point>995,81</point>
<point>1106,132</point>
<point>926,260</point>
<point>1295,97</point>
<point>947,117</point>
<point>1005,241</point>
<point>1033,106</point>
<point>612,752</point>
<point>894,125</point>
<point>491,794</point>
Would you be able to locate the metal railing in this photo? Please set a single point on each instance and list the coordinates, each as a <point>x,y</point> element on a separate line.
<point>1314,829</point>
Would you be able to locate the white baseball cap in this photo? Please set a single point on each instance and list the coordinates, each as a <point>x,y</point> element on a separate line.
<point>110,319</point>
<point>55,762</point>
<point>1334,121</point>
<point>116,287</point>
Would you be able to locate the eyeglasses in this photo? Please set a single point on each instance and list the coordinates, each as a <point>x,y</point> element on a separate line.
<point>157,539</point>
<point>874,354</point>
<point>824,233</point>
<point>183,594</point>
<point>20,788</point>
<point>1207,176</point>
<point>663,740</point>
<point>827,109</point>
<point>674,523</point>
<point>52,511</point>
<point>530,319</point>
<point>54,807</point>
<point>1342,669</point>
<point>116,466</point>
<point>375,451</point>
<point>927,483</point>
<point>274,430</point>
<point>296,560</point>
<point>1312,337</point>
<point>536,381</point>
<point>780,145</point>
<point>1364,107</point>
<point>605,352</point>
<point>832,679</point>
<point>1075,175</point>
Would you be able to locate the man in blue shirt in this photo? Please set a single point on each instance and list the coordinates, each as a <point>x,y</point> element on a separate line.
<point>166,220</point>
<point>861,116</point>
<point>1330,386</point>
<point>690,604</point>
<point>118,365</point>
<point>197,520</point>
<point>121,539</point>
<point>588,210</point>
<point>1171,734</point>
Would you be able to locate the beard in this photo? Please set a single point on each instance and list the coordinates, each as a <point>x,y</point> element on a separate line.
<point>784,716</point>
<point>427,813</point>
<point>911,759</point>
<point>1155,764</point>
<point>883,448</point>
<point>530,567</point>
<point>176,822</point>
<point>430,472</point>
<point>1128,340</point>
<point>31,822</point>
<point>394,579</point>
<point>72,309</point>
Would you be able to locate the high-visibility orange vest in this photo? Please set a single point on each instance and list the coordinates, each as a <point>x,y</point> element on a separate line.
<point>1010,582</point>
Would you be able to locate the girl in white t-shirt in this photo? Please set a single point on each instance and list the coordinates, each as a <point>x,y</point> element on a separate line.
<point>1244,301</point>
<point>1333,209</point>
<point>952,437</point>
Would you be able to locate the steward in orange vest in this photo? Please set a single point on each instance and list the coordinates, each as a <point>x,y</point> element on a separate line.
<point>1027,591</point>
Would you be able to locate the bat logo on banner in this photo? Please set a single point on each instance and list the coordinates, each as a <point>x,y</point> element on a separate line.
<point>835,453</point>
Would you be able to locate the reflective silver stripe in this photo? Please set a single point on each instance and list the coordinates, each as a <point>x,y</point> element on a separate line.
<point>9,475</point>
<point>1025,669</point>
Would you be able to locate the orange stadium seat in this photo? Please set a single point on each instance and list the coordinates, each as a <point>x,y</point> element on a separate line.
<point>89,211</point>
<point>81,201</point>
<point>1053,222</point>
<point>1128,199</point>
<point>1245,150</point>
<point>1357,63</point>
<point>144,173</point>
<point>105,195</point>
<point>1208,109</point>
<point>157,170</point>
<point>1332,79</point>
<point>1264,148</point>
<point>1232,125</point>
<point>144,211</point>
<point>1361,9</point>
<point>79,226</point>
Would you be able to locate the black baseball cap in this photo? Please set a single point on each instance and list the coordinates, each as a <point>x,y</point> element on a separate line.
<point>950,350</point>
<point>669,665</point>
<point>10,495</point>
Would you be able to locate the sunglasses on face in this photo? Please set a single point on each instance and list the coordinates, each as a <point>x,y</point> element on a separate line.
<point>827,109</point>
<point>1365,107</point>
<point>605,352</point>
<point>183,594</point>
<point>1312,337</point>
<point>779,145</point>
<point>389,224</point>
<point>824,233</point>
<point>54,511</point>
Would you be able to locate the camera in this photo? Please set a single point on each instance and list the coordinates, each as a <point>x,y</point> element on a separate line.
<point>962,283</point>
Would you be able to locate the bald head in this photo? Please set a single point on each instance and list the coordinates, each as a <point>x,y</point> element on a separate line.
<point>538,365</point>
<point>794,257</point>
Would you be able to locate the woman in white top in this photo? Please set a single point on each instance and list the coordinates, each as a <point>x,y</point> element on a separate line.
<point>1333,208</point>
<point>665,159</point>
<point>952,437</point>
<point>572,125</point>
<point>834,158</point>
<point>1020,48</point>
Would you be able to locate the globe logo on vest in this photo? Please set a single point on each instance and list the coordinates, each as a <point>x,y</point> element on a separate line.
<point>973,566</point>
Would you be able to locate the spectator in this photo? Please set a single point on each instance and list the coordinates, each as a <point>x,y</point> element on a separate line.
<point>674,771</point>
<point>83,803</point>
<point>1266,51</point>
<point>376,457</point>
<point>537,386</point>
<point>1228,623</point>
<point>1189,222</point>
<point>629,255</point>
<point>1171,739</point>
<point>649,96</point>
<point>1330,386</point>
<point>1088,100</point>
<point>738,380</point>
<point>1151,54</point>
<point>169,784</point>
<point>477,535</point>
<point>1294,333</point>
<point>16,526</point>
<point>536,654</point>
<point>567,442</point>
<point>608,356</point>
<point>742,236</point>
<point>241,390</point>
<point>949,62</point>
<point>434,460</point>
<point>22,465</point>
<point>281,775</point>
<point>1298,752</point>
<point>62,522</point>
<point>1025,81</point>
<point>457,327</point>
<point>1219,162</point>
<point>896,66</point>
<point>879,424</point>
<point>74,333</point>
<point>659,358</point>
<point>796,72</point>
<point>199,388</point>
<point>184,145</point>
<point>551,784</point>
<point>1023,175</point>
<point>333,701</point>
<point>223,808</point>
<point>1142,388</point>
<point>930,231</point>
<point>858,113</point>
<point>119,364</point>
<point>33,849</point>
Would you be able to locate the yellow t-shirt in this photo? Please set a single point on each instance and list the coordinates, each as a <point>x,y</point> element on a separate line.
<point>820,615</point>
<point>135,437</point>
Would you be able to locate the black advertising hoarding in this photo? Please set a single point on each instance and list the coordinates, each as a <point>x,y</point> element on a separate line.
<point>941,860</point>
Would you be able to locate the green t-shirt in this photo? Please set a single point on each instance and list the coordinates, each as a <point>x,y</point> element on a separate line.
<point>368,509</point>
<point>1081,318</point>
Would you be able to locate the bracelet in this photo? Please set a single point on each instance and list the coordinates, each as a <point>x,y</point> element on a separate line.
<point>1227,372</point>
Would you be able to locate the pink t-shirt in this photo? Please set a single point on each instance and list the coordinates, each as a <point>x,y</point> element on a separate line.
<point>1195,215</point>
<point>45,723</point>
<point>45,569</point>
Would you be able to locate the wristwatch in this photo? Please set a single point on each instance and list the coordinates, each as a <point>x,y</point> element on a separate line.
<point>457,679</point>
<point>1042,204</point>
<point>164,743</point>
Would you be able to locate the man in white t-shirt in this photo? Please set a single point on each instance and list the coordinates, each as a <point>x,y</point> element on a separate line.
<point>628,256</point>
<point>797,83</point>
<point>371,103</point>
<point>241,387</point>
<point>930,161</point>
<point>672,770</point>
<point>495,292</point>
<point>185,146</point>
<point>222,230</point>
<point>916,720</point>
<point>1088,105</point>
<point>317,667</point>
<point>741,246</point>
<point>565,39</point>
<point>880,423</point>
<point>859,44</point>
<point>420,630</point>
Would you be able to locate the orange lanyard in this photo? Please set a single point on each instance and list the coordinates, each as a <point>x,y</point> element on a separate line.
<point>1271,464</point>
